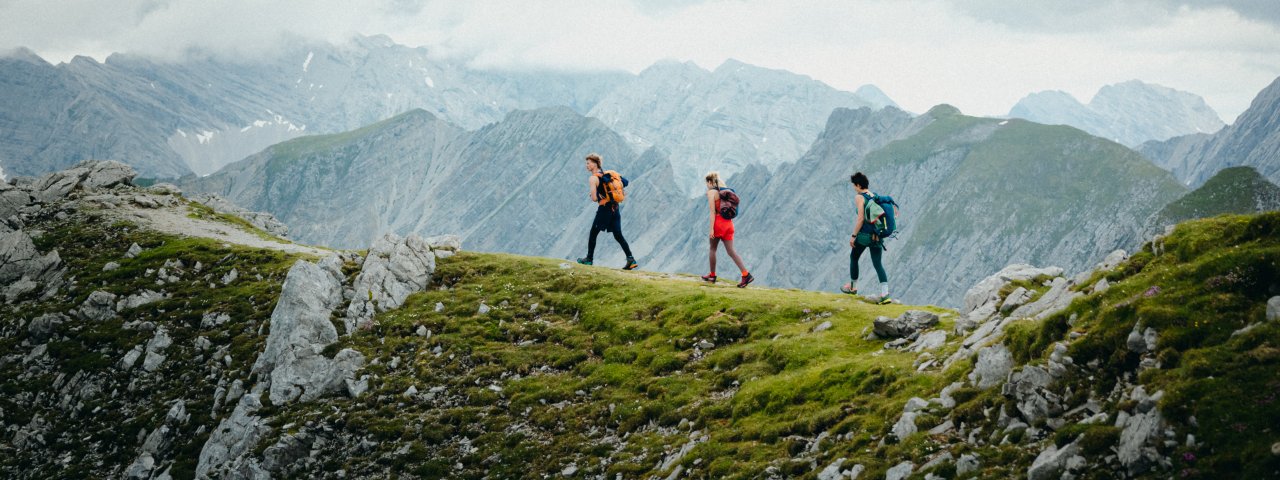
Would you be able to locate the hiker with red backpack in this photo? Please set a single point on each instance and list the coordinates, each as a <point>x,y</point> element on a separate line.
<point>724,207</point>
<point>606,190</point>
<point>874,223</point>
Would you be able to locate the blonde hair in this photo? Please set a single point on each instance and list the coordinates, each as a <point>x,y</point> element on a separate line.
<point>595,158</point>
<point>715,177</point>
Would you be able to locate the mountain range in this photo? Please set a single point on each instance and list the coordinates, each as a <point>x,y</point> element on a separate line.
<point>1253,140</point>
<point>1130,112</point>
<point>172,118</point>
<point>515,186</point>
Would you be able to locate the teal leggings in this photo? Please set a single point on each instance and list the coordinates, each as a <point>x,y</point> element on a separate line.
<point>856,253</point>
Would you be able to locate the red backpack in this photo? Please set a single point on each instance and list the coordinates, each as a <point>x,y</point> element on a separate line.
<point>729,202</point>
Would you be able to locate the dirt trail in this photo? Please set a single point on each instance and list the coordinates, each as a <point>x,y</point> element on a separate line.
<point>175,221</point>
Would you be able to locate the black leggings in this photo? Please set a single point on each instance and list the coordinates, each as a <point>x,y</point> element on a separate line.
<point>875,261</point>
<point>617,235</point>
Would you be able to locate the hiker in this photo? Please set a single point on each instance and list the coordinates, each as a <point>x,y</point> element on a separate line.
<point>864,238</point>
<point>608,211</point>
<point>719,195</point>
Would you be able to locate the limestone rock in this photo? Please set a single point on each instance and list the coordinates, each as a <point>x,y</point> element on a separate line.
<point>1029,390</point>
<point>1056,299</point>
<point>1051,463</point>
<point>155,350</point>
<point>262,220</point>
<point>19,258</point>
<point>445,242</point>
<point>41,328</point>
<point>300,330</point>
<point>100,306</point>
<point>987,291</point>
<point>906,324</point>
<point>1273,309</point>
<point>967,463</point>
<point>905,426</point>
<point>992,367</point>
<point>133,251</point>
<point>139,299</point>
<point>395,268</point>
<point>929,341</point>
<point>235,436</point>
<point>900,471</point>
<point>1016,298</point>
<point>87,175</point>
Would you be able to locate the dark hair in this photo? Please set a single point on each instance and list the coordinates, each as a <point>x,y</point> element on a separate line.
<point>860,179</point>
<point>594,158</point>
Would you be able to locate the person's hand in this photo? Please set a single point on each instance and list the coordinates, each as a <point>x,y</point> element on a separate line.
<point>853,241</point>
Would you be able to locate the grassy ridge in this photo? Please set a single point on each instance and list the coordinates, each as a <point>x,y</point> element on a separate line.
<point>607,356</point>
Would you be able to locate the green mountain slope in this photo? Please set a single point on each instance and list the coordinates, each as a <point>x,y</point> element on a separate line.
<point>1238,190</point>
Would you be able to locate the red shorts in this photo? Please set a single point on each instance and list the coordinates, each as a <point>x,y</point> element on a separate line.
<point>722,229</point>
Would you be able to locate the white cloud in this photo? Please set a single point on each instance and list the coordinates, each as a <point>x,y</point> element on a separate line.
<point>979,55</point>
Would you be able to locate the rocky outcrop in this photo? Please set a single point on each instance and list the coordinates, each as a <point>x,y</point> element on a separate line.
<point>905,325</point>
<point>394,268</point>
<point>300,329</point>
<point>236,436</point>
<point>87,175</point>
<point>23,269</point>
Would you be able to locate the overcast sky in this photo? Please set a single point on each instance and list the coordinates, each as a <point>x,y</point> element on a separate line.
<point>979,55</point>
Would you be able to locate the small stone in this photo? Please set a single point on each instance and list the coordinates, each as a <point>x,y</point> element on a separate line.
<point>822,327</point>
<point>565,266</point>
<point>411,391</point>
<point>1273,309</point>
<point>484,309</point>
<point>422,331</point>
<point>915,404</point>
<point>900,471</point>
<point>439,307</point>
<point>133,252</point>
<point>967,463</point>
<point>230,277</point>
<point>569,470</point>
<point>110,266</point>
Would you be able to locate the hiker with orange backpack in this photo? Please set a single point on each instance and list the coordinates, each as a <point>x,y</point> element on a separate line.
<point>724,207</point>
<point>606,190</point>
<point>871,226</point>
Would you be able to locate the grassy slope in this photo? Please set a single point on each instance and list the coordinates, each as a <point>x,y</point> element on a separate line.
<point>1206,280</point>
<point>609,354</point>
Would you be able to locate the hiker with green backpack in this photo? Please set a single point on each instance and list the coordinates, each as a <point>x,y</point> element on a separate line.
<point>606,190</point>
<point>875,221</point>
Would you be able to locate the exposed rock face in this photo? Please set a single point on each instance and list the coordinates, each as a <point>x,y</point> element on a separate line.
<point>88,175</point>
<point>394,268</point>
<point>300,329</point>
<point>99,306</point>
<point>1131,112</point>
<point>981,299</point>
<point>19,259</point>
<point>1051,463</point>
<point>1253,140</point>
<point>236,436</point>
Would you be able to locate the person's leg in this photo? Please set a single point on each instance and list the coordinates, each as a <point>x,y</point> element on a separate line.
<point>617,235</point>
<point>591,243</point>
<point>714,242</point>
<point>728,248</point>
<point>854,255</point>
<point>876,252</point>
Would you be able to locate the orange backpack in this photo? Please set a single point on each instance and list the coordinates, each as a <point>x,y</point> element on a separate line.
<point>612,184</point>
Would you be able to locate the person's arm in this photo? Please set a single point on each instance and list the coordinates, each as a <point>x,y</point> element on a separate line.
<point>859,204</point>
<point>711,205</point>
<point>595,184</point>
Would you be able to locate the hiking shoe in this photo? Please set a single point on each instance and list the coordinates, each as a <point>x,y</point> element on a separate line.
<point>709,278</point>
<point>631,264</point>
<point>848,288</point>
<point>584,261</point>
<point>885,300</point>
<point>746,281</point>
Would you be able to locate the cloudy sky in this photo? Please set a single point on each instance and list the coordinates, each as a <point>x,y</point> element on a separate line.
<point>979,55</point>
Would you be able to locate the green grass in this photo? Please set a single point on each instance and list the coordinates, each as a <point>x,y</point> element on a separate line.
<point>608,353</point>
<point>1235,190</point>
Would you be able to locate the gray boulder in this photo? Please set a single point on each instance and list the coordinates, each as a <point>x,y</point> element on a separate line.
<point>992,367</point>
<point>967,463</point>
<point>1016,298</point>
<point>100,306</point>
<point>1056,299</point>
<point>1052,462</point>
<point>905,426</point>
<point>12,200</point>
<point>88,175</point>
<point>1273,309</point>
<point>1029,389</point>
<point>139,299</point>
<point>300,330</point>
<point>445,242</point>
<point>1140,433</point>
<point>395,268</point>
<point>42,327</point>
<point>155,350</point>
<point>906,324</point>
<point>900,471</point>
<point>929,341</point>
